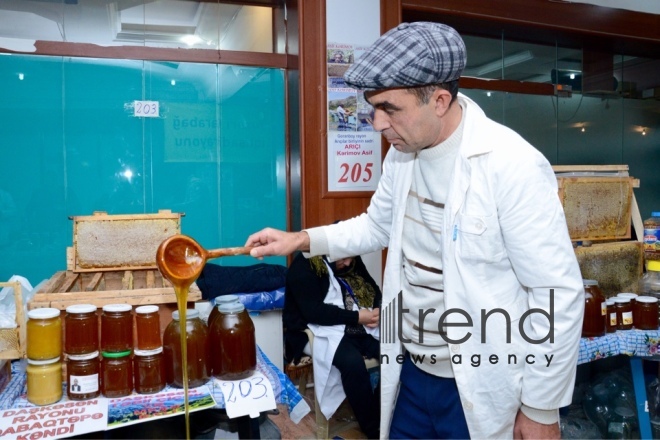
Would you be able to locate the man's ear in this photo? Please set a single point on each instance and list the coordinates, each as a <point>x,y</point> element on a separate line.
<point>442,99</point>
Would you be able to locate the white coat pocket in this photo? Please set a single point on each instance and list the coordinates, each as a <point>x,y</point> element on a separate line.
<point>479,238</point>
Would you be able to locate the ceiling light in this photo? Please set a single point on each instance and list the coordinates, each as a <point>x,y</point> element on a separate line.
<point>21,76</point>
<point>507,61</point>
<point>173,82</point>
<point>191,39</point>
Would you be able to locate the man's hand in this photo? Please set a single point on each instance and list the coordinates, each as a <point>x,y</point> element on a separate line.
<point>369,318</point>
<point>271,241</point>
<point>526,428</point>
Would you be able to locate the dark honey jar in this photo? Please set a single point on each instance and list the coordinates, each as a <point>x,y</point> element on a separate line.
<point>147,325</point>
<point>116,328</point>
<point>81,329</point>
<point>610,316</point>
<point>632,297</point>
<point>595,310</point>
<point>116,374</point>
<point>82,376</point>
<point>148,371</point>
<point>197,343</point>
<point>646,308</point>
<point>234,354</point>
<point>222,299</point>
<point>624,313</point>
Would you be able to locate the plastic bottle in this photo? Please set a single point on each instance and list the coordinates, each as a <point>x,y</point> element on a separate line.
<point>652,236</point>
<point>649,284</point>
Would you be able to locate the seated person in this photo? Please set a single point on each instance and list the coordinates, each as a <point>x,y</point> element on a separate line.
<point>340,303</point>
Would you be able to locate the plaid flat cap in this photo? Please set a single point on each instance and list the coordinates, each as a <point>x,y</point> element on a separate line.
<point>412,54</point>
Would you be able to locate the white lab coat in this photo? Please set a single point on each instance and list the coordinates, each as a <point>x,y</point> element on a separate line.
<point>505,245</point>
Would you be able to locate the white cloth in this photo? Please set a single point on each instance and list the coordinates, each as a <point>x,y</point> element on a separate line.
<point>505,244</point>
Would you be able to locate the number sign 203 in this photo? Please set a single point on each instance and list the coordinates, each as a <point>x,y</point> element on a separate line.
<point>247,396</point>
<point>145,109</point>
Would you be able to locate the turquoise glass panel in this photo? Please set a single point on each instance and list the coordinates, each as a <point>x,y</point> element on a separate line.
<point>72,145</point>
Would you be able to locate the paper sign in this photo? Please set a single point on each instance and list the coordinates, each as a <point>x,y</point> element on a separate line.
<point>353,161</point>
<point>146,109</point>
<point>64,419</point>
<point>248,396</point>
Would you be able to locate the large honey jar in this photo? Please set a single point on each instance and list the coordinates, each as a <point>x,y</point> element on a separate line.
<point>148,371</point>
<point>147,325</point>
<point>81,329</point>
<point>116,374</point>
<point>197,343</point>
<point>645,313</point>
<point>234,354</point>
<point>116,328</point>
<point>44,334</point>
<point>83,376</point>
<point>595,310</point>
<point>222,299</point>
<point>44,381</point>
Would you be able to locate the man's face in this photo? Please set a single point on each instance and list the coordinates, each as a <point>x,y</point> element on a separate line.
<point>343,263</point>
<point>406,124</point>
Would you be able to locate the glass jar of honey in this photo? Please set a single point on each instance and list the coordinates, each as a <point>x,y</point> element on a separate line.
<point>234,354</point>
<point>610,316</point>
<point>116,328</point>
<point>149,374</point>
<point>147,324</point>
<point>222,299</point>
<point>646,316</point>
<point>197,344</point>
<point>631,297</point>
<point>81,329</point>
<point>624,313</point>
<point>116,374</point>
<point>82,376</point>
<point>595,309</point>
<point>44,334</point>
<point>44,381</point>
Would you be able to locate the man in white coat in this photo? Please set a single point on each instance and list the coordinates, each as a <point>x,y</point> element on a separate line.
<point>482,293</point>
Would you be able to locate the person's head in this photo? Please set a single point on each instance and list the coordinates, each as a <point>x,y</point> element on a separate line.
<point>339,56</point>
<point>410,77</point>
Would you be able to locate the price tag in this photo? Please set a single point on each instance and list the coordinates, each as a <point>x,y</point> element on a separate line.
<point>145,109</point>
<point>248,396</point>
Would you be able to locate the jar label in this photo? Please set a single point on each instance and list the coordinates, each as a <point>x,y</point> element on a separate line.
<point>613,319</point>
<point>627,318</point>
<point>652,239</point>
<point>84,384</point>
<point>603,308</point>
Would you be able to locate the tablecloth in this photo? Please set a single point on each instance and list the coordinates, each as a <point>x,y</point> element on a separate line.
<point>641,343</point>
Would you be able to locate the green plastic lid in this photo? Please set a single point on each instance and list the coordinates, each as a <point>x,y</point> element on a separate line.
<point>117,354</point>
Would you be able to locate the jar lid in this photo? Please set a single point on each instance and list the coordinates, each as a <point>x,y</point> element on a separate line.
<point>590,282</point>
<point>148,352</point>
<point>647,299</point>
<point>624,411</point>
<point>117,307</point>
<point>117,354</point>
<point>621,300</point>
<point>43,361</point>
<point>222,299</point>
<point>653,265</point>
<point>609,301</point>
<point>627,295</point>
<point>146,309</point>
<point>44,313</point>
<point>83,357</point>
<point>234,307</point>
<point>190,314</point>
<point>81,308</point>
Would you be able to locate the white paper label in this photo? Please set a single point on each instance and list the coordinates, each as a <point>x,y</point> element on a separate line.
<point>84,384</point>
<point>248,396</point>
<point>146,109</point>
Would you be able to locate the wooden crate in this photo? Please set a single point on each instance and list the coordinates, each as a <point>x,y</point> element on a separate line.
<point>135,287</point>
<point>617,266</point>
<point>12,340</point>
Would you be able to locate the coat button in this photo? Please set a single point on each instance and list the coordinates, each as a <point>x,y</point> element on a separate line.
<point>469,405</point>
<point>479,226</point>
<point>455,348</point>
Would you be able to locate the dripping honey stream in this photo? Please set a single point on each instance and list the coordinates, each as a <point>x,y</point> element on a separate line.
<point>180,260</point>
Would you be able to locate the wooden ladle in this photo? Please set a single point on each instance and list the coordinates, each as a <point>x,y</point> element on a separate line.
<point>181,259</point>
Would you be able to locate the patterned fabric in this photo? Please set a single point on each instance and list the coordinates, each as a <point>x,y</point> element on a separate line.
<point>412,54</point>
<point>642,343</point>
